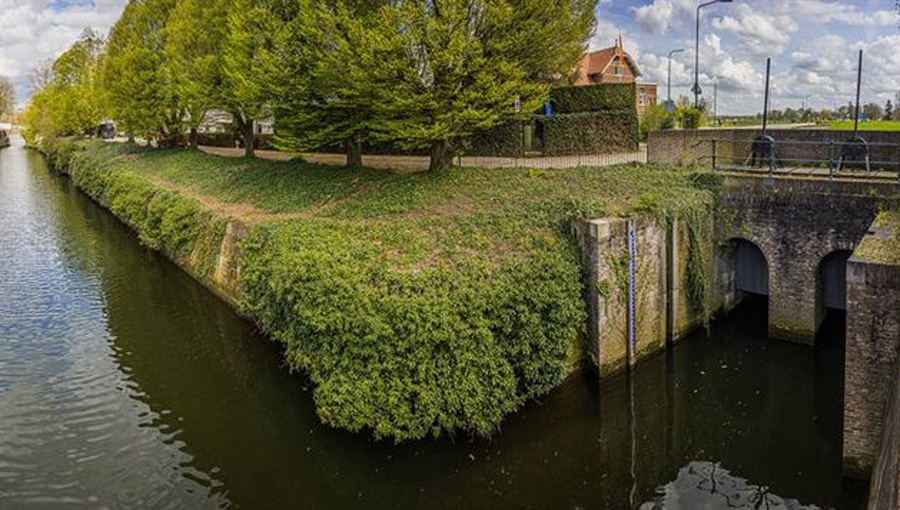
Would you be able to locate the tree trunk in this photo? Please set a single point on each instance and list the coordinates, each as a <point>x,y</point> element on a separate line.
<point>354,152</point>
<point>193,136</point>
<point>441,156</point>
<point>249,140</point>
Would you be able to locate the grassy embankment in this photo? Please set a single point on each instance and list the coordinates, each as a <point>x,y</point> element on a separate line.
<point>873,125</point>
<point>416,304</point>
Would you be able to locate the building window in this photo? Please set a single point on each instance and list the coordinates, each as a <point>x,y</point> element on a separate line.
<point>618,70</point>
<point>643,98</point>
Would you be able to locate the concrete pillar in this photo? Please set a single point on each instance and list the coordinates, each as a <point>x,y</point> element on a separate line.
<point>792,300</point>
<point>873,336</point>
<point>604,251</point>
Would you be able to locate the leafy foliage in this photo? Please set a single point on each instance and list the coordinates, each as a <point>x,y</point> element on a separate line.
<point>590,133</point>
<point>594,98</point>
<point>507,139</point>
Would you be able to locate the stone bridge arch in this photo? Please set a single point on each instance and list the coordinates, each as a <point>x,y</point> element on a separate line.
<point>748,264</point>
<point>795,224</point>
<point>831,282</point>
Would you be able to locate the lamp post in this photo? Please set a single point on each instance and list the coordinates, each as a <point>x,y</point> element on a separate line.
<point>669,79</point>
<point>696,88</point>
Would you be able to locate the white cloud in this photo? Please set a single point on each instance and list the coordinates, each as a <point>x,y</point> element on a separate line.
<point>34,30</point>
<point>837,12</point>
<point>762,32</point>
<point>655,17</point>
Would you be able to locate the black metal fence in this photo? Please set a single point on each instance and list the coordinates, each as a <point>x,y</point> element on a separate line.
<point>854,157</point>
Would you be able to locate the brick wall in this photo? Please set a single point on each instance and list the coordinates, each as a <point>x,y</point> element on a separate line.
<point>873,335</point>
<point>796,223</point>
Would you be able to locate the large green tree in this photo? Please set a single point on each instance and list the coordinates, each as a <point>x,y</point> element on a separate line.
<point>141,100</point>
<point>439,71</point>
<point>316,105</point>
<point>246,54</point>
<point>194,36</point>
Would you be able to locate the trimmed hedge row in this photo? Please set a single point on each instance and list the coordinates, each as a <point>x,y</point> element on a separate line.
<point>507,139</point>
<point>594,98</point>
<point>590,133</point>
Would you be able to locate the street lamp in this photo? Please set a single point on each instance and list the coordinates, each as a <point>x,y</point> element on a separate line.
<point>696,88</point>
<point>669,79</point>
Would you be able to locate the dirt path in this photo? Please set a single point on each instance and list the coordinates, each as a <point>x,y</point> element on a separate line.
<point>412,164</point>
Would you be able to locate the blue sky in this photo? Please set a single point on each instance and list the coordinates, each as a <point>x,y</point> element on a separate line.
<point>813,44</point>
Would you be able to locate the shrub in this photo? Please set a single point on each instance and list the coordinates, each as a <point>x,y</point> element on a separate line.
<point>594,98</point>
<point>691,118</point>
<point>590,133</point>
<point>655,119</point>
<point>217,139</point>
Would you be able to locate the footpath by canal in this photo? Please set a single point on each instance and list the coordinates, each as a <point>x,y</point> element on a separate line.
<point>124,383</point>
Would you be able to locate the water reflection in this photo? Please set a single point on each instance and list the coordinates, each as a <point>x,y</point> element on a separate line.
<point>707,485</point>
<point>124,383</point>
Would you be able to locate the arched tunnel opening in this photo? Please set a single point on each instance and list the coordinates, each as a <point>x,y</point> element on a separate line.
<point>831,281</point>
<point>751,271</point>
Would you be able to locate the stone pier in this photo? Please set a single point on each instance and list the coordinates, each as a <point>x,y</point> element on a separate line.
<point>873,338</point>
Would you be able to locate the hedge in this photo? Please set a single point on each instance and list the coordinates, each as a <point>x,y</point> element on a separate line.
<point>590,133</point>
<point>507,139</point>
<point>594,98</point>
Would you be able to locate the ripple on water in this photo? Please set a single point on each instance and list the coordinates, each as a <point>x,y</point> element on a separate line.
<point>74,431</point>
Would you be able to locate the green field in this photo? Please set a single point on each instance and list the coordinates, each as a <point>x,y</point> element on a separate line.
<point>874,125</point>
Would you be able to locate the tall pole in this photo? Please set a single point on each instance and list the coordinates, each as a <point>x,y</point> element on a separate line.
<point>766,99</point>
<point>696,88</point>
<point>716,98</point>
<point>669,79</point>
<point>858,85</point>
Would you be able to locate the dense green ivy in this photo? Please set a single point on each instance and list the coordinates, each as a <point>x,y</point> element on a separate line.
<point>163,219</point>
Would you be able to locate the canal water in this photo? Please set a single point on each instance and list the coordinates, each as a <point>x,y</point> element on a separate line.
<point>125,384</point>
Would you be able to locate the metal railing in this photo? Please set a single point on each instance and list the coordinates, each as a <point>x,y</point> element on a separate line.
<point>855,157</point>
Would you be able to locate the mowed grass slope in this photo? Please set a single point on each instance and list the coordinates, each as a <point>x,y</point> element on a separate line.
<point>418,304</point>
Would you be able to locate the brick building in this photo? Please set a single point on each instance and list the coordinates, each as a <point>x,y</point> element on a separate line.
<point>615,65</point>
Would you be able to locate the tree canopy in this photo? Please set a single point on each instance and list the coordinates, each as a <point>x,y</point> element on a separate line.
<point>418,75</point>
